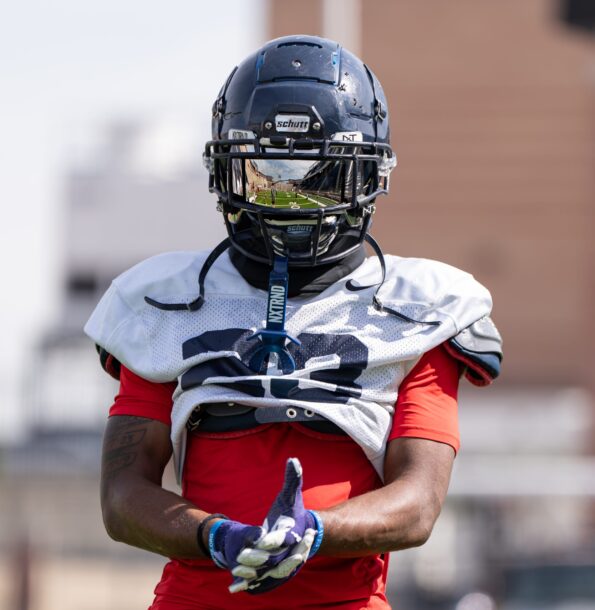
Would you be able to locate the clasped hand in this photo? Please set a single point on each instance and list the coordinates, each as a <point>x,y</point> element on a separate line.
<point>263,558</point>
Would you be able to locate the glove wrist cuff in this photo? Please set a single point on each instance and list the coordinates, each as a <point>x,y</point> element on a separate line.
<point>200,532</point>
<point>319,533</point>
<point>218,558</point>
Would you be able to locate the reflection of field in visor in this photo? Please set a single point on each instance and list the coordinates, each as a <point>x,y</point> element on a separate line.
<point>298,201</point>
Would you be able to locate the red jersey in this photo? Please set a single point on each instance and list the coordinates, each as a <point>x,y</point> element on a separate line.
<point>240,473</point>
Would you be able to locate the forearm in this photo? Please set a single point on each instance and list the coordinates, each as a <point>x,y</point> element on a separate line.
<point>399,515</point>
<point>136,509</point>
<point>142,514</point>
<point>387,519</point>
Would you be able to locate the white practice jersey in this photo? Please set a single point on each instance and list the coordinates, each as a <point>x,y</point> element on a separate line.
<point>349,365</point>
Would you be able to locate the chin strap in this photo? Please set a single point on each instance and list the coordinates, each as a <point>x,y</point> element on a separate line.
<point>199,301</point>
<point>378,306</point>
<point>274,338</point>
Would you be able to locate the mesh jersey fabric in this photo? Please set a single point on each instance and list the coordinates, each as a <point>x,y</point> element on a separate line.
<point>219,478</point>
<point>350,363</point>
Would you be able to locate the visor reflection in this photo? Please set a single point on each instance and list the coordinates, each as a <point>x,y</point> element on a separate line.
<point>292,183</point>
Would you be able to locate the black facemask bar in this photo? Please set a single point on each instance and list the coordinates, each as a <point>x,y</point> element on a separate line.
<point>371,163</point>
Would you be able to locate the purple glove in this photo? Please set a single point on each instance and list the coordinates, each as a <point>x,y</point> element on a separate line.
<point>290,536</point>
<point>228,538</point>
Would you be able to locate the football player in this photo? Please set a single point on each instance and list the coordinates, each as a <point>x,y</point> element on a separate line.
<point>306,393</point>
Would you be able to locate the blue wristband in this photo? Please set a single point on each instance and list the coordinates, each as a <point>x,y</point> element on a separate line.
<point>212,533</point>
<point>319,533</point>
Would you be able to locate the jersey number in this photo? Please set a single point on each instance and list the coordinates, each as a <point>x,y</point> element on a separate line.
<point>339,361</point>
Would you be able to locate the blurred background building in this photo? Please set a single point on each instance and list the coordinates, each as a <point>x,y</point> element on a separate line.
<point>493,123</point>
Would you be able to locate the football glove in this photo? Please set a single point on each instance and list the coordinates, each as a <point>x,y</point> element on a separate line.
<point>290,536</point>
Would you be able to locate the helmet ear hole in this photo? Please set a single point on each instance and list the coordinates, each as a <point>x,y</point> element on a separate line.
<point>299,155</point>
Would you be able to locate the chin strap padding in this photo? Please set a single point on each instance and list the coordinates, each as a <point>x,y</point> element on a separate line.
<point>479,348</point>
<point>109,364</point>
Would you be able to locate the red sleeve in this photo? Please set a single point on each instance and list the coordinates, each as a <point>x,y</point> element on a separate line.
<point>143,398</point>
<point>427,402</point>
<point>426,406</point>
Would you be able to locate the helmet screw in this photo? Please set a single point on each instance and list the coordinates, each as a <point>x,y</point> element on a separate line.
<point>296,63</point>
<point>268,125</point>
<point>316,126</point>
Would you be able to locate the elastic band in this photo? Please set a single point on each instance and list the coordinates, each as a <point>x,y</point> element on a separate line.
<point>201,526</point>
<point>319,533</point>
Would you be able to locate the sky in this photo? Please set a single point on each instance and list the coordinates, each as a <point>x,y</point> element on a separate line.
<point>67,68</point>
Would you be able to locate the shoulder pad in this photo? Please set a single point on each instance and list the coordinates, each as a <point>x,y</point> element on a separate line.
<point>108,363</point>
<point>479,348</point>
<point>428,290</point>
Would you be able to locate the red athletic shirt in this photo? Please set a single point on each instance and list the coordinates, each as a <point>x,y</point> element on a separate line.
<point>240,473</point>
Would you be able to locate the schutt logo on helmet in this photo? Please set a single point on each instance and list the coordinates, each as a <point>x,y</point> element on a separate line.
<point>296,123</point>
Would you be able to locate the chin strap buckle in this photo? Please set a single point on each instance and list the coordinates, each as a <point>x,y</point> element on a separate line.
<point>274,338</point>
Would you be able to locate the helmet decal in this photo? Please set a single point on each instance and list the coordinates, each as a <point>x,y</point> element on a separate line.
<point>292,123</point>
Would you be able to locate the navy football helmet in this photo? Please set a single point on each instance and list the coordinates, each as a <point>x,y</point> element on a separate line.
<point>300,151</point>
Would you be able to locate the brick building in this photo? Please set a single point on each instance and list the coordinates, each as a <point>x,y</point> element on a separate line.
<point>492,121</point>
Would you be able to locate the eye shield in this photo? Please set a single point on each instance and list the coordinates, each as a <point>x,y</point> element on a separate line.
<point>289,175</point>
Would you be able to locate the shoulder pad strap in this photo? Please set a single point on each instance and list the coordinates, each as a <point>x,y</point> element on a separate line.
<point>479,348</point>
<point>108,363</point>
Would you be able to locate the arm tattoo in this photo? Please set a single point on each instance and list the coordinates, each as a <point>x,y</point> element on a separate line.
<point>120,448</point>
